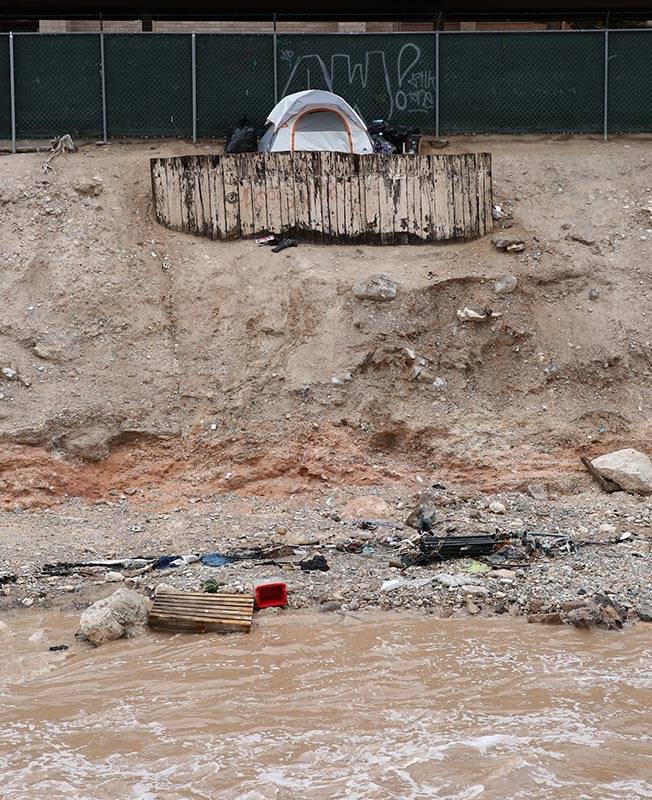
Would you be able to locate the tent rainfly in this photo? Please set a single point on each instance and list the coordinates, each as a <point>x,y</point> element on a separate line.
<point>315,120</point>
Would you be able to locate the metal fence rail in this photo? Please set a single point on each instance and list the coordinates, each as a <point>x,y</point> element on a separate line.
<point>201,84</point>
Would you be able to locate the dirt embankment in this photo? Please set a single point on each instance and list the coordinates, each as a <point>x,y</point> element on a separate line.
<point>237,369</point>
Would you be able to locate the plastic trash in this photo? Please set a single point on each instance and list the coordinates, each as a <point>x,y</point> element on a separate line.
<point>215,560</point>
<point>271,595</point>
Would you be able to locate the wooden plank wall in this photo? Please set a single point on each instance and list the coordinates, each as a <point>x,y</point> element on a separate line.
<point>326,197</point>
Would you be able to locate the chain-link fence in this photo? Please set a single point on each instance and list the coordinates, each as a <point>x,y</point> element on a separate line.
<point>200,85</point>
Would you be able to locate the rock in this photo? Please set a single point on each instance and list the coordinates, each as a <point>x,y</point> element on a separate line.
<point>9,373</point>
<point>551,618</point>
<point>477,591</point>
<point>330,605</point>
<point>572,605</point>
<point>472,608</point>
<point>606,528</point>
<point>390,586</point>
<point>366,506</point>
<point>89,188</point>
<point>583,618</point>
<point>164,588</point>
<point>496,507</point>
<point>508,242</point>
<point>378,288</point>
<point>424,516</point>
<point>27,601</point>
<point>644,610</point>
<point>113,577</point>
<point>439,383</point>
<point>611,614</point>
<point>505,285</point>
<point>454,581</point>
<point>594,294</point>
<point>629,468</point>
<point>123,614</point>
<point>538,491</point>
<point>503,574</point>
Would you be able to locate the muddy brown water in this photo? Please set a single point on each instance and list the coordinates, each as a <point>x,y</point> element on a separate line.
<point>328,706</point>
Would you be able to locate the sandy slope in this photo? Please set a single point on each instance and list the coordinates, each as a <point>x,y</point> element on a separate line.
<point>217,373</point>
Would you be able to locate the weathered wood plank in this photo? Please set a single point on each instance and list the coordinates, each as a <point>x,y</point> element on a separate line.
<point>313,184</point>
<point>302,193</point>
<point>371,213</point>
<point>329,165</point>
<point>216,188</point>
<point>457,168</point>
<point>386,201</point>
<point>400,191</point>
<point>356,195</point>
<point>259,193</point>
<point>243,167</point>
<point>232,228</point>
<point>160,191</point>
<point>488,191</point>
<point>275,219</point>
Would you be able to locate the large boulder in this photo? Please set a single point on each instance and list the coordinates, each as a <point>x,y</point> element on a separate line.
<point>123,614</point>
<point>376,287</point>
<point>629,468</point>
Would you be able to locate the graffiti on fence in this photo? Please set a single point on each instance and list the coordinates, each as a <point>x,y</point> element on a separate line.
<point>375,82</point>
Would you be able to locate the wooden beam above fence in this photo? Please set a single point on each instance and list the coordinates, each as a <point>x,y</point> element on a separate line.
<point>326,197</point>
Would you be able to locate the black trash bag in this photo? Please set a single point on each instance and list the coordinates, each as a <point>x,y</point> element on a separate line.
<point>242,139</point>
<point>381,145</point>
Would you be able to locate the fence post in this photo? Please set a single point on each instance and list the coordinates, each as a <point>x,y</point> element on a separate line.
<point>103,79</point>
<point>605,132</point>
<point>275,63</point>
<point>437,84</point>
<point>194,89</point>
<point>12,92</point>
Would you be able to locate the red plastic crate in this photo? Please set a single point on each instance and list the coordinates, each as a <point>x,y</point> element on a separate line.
<point>269,595</point>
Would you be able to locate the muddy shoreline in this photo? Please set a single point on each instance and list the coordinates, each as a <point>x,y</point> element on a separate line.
<point>613,557</point>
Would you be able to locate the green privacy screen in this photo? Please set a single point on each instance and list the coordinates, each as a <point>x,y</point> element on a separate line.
<point>148,84</point>
<point>521,82</point>
<point>235,79</point>
<point>58,85</point>
<point>493,82</point>
<point>5,106</point>
<point>388,76</point>
<point>630,81</point>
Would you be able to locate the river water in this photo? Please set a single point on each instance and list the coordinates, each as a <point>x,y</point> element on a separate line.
<point>328,706</point>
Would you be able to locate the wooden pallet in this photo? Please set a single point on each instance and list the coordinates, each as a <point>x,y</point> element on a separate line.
<point>198,612</point>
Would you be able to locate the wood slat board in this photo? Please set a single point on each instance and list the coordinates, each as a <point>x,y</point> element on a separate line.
<point>326,197</point>
<point>200,612</point>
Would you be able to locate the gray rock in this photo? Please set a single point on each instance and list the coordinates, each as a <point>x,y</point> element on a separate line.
<point>594,294</point>
<point>330,605</point>
<point>454,581</point>
<point>538,491</point>
<point>424,516</point>
<point>629,468</point>
<point>644,610</point>
<point>113,577</point>
<point>505,285</point>
<point>123,614</point>
<point>89,188</point>
<point>379,288</point>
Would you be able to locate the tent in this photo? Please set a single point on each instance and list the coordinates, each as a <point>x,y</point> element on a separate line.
<point>315,120</point>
